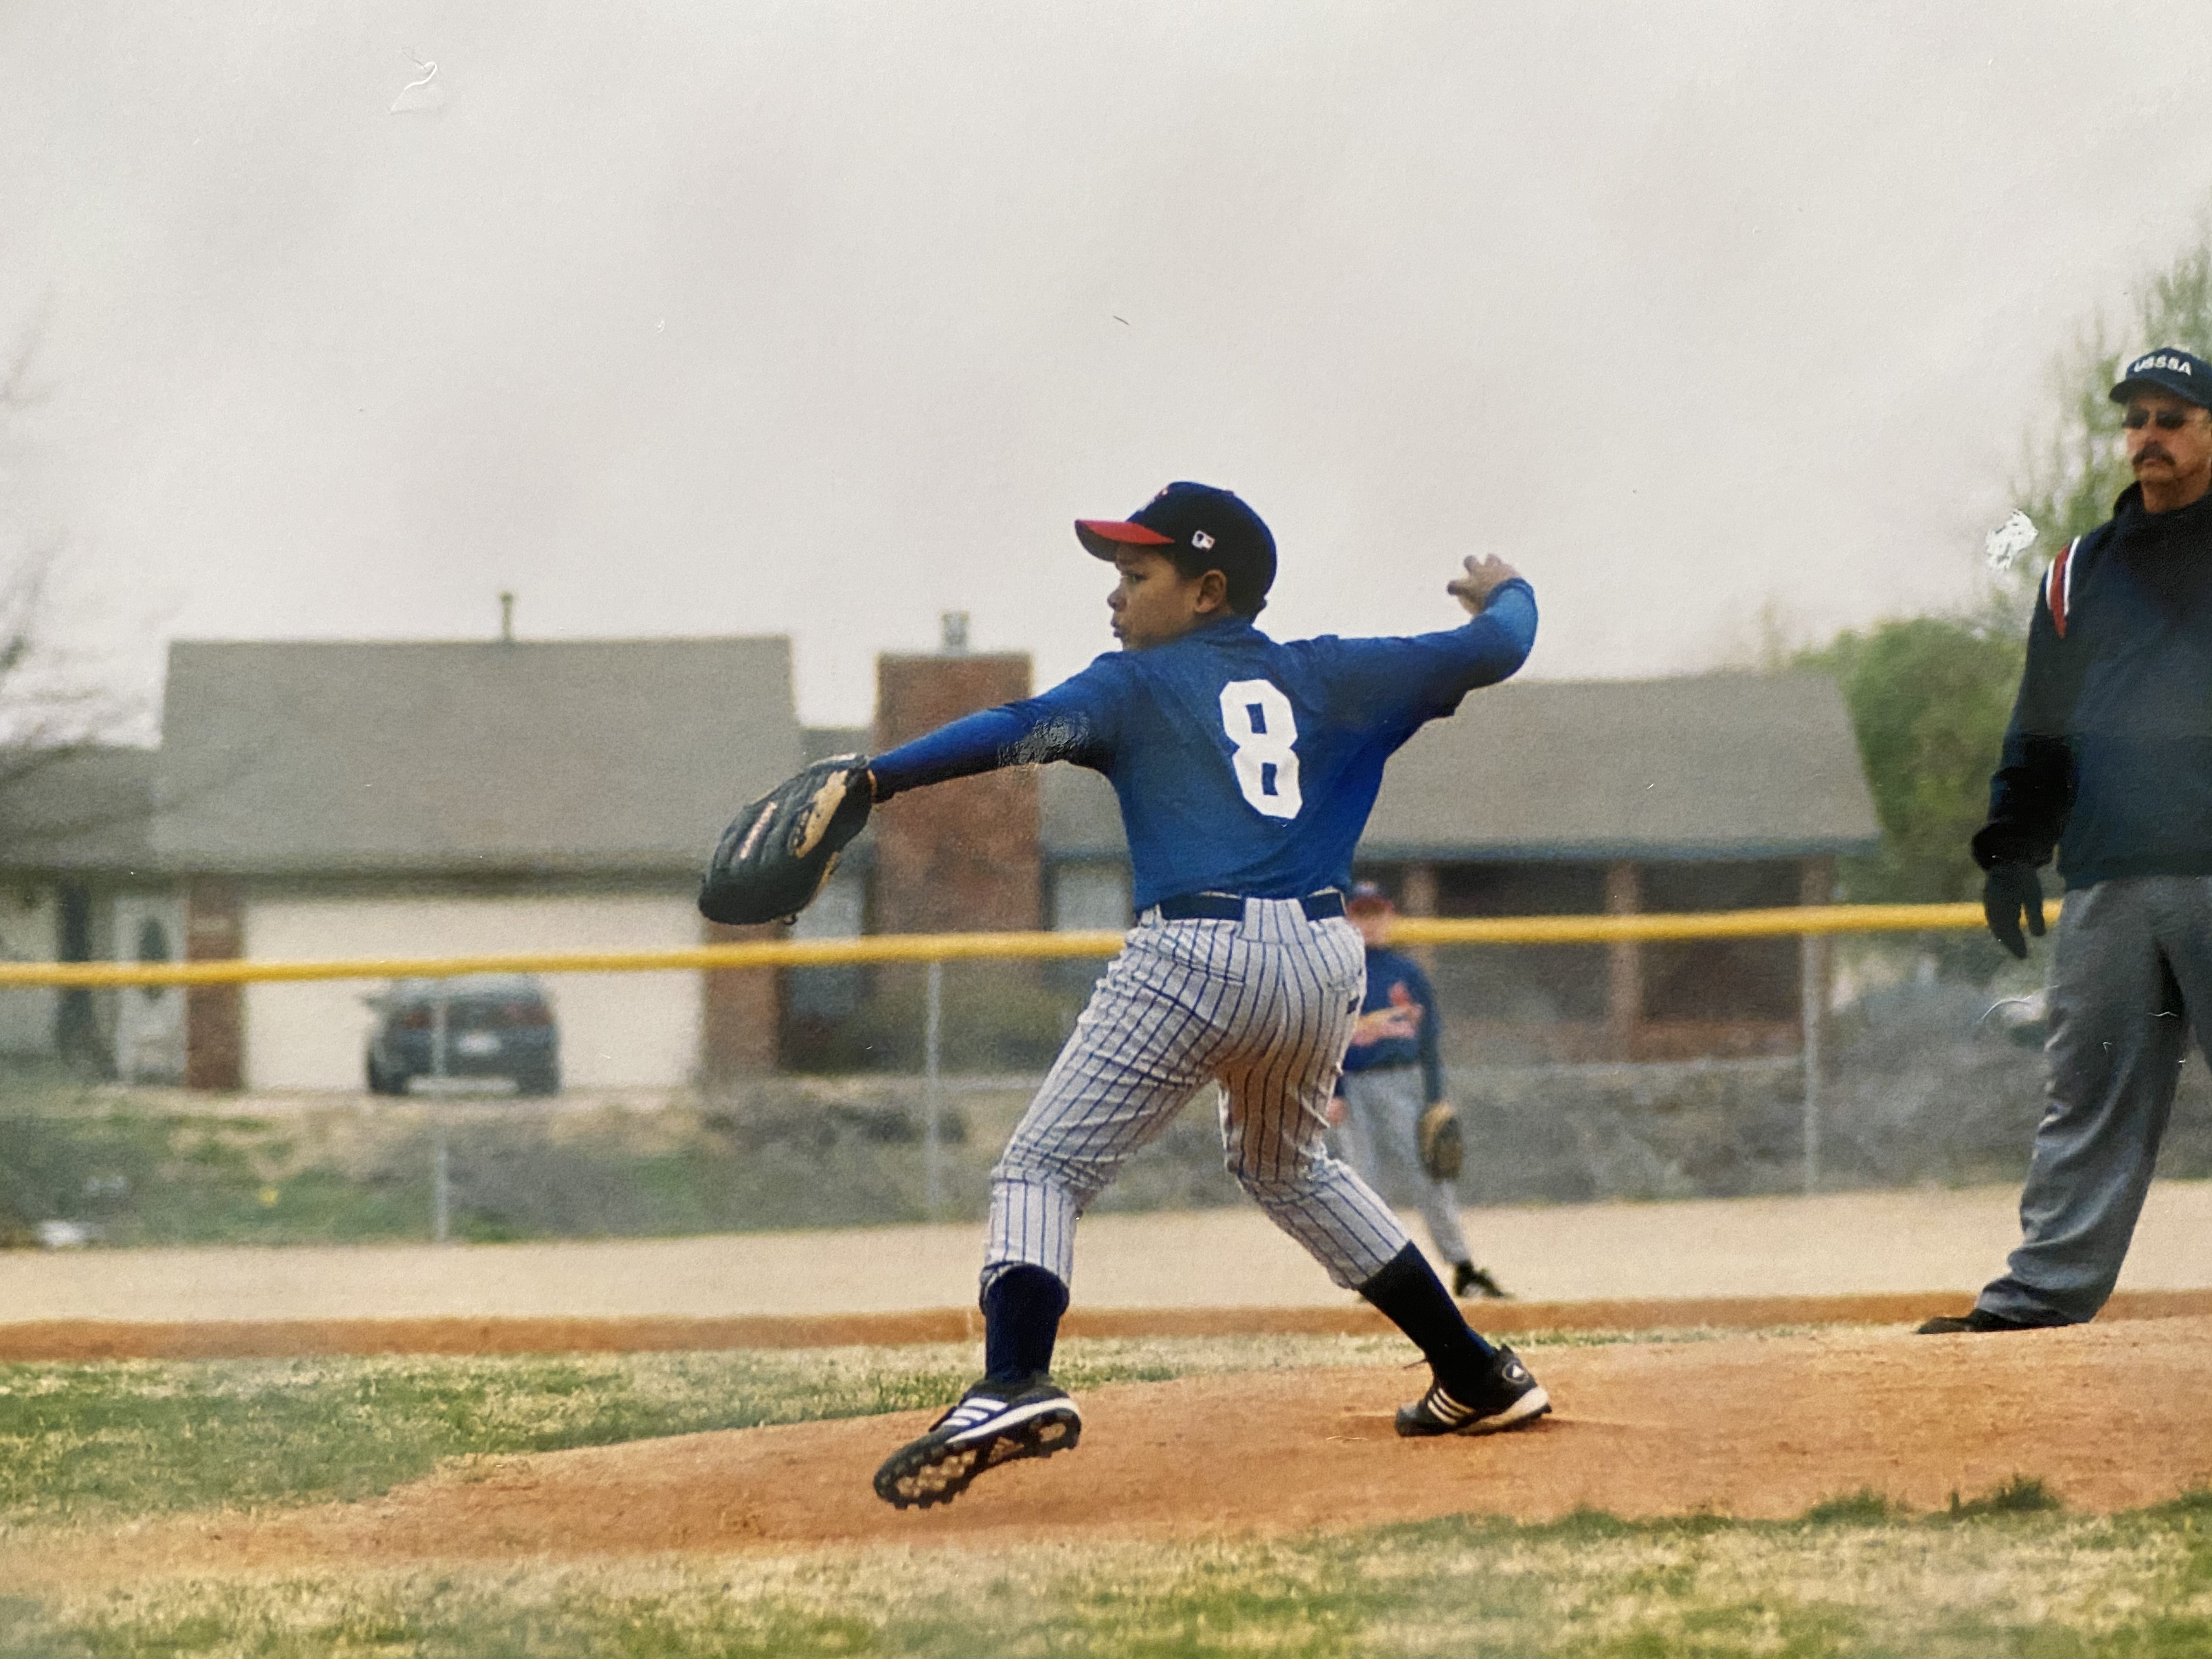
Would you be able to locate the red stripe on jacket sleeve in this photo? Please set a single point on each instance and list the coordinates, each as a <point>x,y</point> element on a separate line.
<point>2059,586</point>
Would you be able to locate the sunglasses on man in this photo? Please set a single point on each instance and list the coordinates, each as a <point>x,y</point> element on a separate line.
<point>2168,420</point>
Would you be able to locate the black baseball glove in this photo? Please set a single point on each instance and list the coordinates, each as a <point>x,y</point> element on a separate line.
<point>1442,1148</point>
<point>773,860</point>
<point>2008,890</point>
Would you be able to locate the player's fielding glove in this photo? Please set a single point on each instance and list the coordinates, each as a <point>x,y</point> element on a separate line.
<point>2008,890</point>
<point>1442,1148</point>
<point>775,857</point>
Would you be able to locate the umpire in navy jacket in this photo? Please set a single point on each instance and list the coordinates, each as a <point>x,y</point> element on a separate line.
<point>2109,760</point>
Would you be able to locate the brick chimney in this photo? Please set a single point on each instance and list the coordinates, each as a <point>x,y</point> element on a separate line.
<point>960,857</point>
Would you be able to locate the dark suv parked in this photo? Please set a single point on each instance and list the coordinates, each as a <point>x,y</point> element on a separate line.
<point>475,1025</point>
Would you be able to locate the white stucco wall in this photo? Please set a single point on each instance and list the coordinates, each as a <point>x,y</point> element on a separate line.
<point>617,1029</point>
<point>29,932</point>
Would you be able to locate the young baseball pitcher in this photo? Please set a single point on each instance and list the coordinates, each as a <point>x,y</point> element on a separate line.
<point>1245,769</point>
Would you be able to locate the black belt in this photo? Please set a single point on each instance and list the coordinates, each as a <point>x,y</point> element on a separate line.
<point>1230,907</point>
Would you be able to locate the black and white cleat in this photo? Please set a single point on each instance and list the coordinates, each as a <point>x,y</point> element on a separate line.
<point>1507,1398</point>
<point>992,1424</point>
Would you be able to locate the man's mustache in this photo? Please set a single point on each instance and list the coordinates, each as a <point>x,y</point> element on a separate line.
<point>2152,453</point>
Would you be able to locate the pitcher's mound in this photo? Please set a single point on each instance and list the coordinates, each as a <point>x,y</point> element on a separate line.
<point>2107,1417</point>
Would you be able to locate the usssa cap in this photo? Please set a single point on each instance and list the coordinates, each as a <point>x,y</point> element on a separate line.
<point>1199,528</point>
<point>2168,369</point>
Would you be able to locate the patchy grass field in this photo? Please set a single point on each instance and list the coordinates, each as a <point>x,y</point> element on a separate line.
<point>86,1448</point>
<point>2036,1585</point>
<point>98,1442</point>
<point>95,1444</point>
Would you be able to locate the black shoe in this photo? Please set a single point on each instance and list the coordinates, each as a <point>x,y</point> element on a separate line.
<point>1467,1277</point>
<point>1507,1398</point>
<point>1979,1319</point>
<point>993,1424</point>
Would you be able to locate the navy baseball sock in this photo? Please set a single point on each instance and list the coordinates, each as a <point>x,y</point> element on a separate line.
<point>1021,1323</point>
<point>1412,1297</point>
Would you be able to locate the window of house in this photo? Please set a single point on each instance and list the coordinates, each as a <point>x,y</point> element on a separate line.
<point>153,946</point>
<point>1719,980</point>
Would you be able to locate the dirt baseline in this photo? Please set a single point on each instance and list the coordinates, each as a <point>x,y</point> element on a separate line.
<point>83,1340</point>
<point>2107,1416</point>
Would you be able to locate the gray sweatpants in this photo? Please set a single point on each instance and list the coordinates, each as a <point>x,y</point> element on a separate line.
<point>1383,1122</point>
<point>1264,1007</point>
<point>2132,973</point>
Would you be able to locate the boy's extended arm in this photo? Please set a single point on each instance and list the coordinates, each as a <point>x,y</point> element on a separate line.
<point>1057,725</point>
<point>1418,676</point>
<point>1501,635</point>
<point>1065,723</point>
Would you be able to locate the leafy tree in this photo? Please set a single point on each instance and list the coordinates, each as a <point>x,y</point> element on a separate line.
<point>1929,699</point>
<point>1930,696</point>
<point>2070,485</point>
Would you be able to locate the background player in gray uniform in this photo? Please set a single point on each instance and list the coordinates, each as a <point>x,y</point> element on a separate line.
<point>1245,769</point>
<point>1392,1072</point>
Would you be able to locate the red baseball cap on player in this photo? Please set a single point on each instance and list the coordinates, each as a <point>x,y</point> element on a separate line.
<point>1199,528</point>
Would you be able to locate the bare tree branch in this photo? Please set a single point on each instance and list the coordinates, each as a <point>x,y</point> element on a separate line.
<point>53,708</point>
<point>16,390</point>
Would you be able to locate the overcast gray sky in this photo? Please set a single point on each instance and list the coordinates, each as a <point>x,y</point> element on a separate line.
<point>824,318</point>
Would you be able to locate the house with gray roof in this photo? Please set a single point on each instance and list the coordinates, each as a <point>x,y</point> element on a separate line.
<point>77,862</point>
<point>315,799</point>
<point>338,798</point>
<point>331,799</point>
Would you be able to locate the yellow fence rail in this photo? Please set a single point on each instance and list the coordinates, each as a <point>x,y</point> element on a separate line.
<point>1794,921</point>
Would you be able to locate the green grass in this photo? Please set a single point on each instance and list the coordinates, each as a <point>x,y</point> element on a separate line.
<point>88,1443</point>
<point>2022,1495</point>
<point>156,1174</point>
<point>171,1178</point>
<point>1998,1572</point>
<point>97,1442</point>
<point>2026,1586</point>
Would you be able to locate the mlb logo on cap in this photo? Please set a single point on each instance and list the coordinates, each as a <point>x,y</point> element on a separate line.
<point>2167,368</point>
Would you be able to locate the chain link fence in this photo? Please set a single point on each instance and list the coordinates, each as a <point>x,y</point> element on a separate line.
<point>1923,1077</point>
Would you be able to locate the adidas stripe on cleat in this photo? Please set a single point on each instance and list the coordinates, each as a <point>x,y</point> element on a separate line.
<point>1509,1398</point>
<point>991,1425</point>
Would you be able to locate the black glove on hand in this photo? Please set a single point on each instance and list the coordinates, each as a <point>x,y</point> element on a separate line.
<point>2007,890</point>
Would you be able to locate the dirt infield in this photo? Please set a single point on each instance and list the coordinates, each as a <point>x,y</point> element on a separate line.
<point>60,1339</point>
<point>1890,1243</point>
<point>2107,1416</point>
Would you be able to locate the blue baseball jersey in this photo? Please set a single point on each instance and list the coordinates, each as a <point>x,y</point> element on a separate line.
<point>1242,764</point>
<point>1395,981</point>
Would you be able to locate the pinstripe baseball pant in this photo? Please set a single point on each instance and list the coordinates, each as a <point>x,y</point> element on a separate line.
<point>1264,1007</point>
<point>1382,1111</point>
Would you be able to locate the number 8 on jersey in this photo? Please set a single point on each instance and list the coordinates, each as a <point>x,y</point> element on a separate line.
<point>1257,717</point>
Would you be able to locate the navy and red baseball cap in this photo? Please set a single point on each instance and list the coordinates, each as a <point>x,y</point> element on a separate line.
<point>1367,898</point>
<point>2168,369</point>
<point>1199,528</point>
